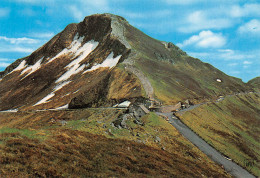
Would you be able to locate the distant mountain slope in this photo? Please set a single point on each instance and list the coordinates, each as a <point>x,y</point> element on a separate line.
<point>104,60</point>
<point>255,82</point>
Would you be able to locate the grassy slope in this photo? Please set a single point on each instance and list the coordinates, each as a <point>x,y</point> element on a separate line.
<point>38,144</point>
<point>231,126</point>
<point>255,83</point>
<point>176,76</point>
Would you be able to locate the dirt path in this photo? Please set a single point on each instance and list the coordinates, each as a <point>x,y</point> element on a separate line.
<point>143,79</point>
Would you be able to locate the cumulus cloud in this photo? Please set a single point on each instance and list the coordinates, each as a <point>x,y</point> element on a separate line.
<point>200,20</point>
<point>245,10</point>
<point>23,40</point>
<point>205,39</point>
<point>251,27</point>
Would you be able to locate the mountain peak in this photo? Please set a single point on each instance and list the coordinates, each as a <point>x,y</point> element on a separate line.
<point>102,61</point>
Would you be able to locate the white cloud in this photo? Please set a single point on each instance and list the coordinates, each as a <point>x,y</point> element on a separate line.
<point>76,12</point>
<point>205,39</point>
<point>4,64</point>
<point>232,64</point>
<point>228,54</point>
<point>16,49</point>
<point>247,62</point>
<point>4,60</point>
<point>156,14</point>
<point>36,1</point>
<point>246,10</point>
<point>199,20</point>
<point>23,40</point>
<point>251,27</point>
<point>46,35</point>
<point>4,12</point>
<point>82,8</point>
<point>182,2</point>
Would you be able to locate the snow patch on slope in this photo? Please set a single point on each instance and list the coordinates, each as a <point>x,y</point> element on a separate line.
<point>45,99</point>
<point>60,86</point>
<point>21,66</point>
<point>10,110</point>
<point>74,66</point>
<point>108,62</point>
<point>73,48</point>
<point>63,107</point>
<point>32,69</point>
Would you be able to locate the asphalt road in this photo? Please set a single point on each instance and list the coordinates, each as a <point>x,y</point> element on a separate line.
<point>230,167</point>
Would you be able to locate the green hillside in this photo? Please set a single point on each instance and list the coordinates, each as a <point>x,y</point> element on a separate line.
<point>231,126</point>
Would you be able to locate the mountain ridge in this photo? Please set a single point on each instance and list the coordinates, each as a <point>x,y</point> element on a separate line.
<point>59,73</point>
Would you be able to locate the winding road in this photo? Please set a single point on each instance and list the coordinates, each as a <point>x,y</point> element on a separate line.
<point>230,167</point>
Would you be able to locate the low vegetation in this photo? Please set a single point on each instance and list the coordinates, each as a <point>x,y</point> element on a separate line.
<point>85,143</point>
<point>231,126</point>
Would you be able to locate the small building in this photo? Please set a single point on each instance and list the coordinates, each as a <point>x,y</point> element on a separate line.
<point>138,110</point>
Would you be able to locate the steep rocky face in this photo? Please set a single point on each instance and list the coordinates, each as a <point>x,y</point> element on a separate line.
<point>104,60</point>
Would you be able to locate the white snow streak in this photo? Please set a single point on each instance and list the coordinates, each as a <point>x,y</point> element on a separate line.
<point>45,99</point>
<point>74,66</point>
<point>73,48</point>
<point>20,66</point>
<point>63,107</point>
<point>60,86</point>
<point>11,110</point>
<point>108,62</point>
<point>32,68</point>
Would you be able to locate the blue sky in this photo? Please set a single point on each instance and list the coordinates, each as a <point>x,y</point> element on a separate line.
<point>224,33</point>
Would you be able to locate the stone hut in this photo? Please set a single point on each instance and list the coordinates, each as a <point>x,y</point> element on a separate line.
<point>138,110</point>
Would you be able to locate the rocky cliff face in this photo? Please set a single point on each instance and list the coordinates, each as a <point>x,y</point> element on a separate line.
<point>103,60</point>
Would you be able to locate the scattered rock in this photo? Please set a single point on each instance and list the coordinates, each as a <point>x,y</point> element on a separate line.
<point>138,122</point>
<point>157,139</point>
<point>63,122</point>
